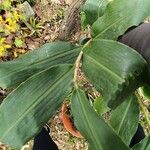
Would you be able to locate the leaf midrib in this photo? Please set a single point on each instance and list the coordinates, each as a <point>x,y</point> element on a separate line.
<point>56,56</point>
<point>43,60</point>
<point>88,122</point>
<point>123,118</point>
<point>106,69</point>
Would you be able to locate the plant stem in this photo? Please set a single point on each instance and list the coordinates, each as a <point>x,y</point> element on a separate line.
<point>77,66</point>
<point>144,110</point>
<point>77,63</point>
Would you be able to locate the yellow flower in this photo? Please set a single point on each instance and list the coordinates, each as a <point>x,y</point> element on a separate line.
<point>2,22</point>
<point>1,19</point>
<point>11,25</point>
<point>6,46</point>
<point>2,40</point>
<point>2,25</point>
<point>16,15</point>
<point>21,51</point>
<point>15,54</point>
<point>1,51</point>
<point>3,46</point>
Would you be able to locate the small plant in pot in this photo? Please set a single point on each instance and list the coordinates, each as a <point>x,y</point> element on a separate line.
<point>42,79</point>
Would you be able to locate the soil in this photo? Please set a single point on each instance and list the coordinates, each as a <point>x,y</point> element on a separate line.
<point>63,139</point>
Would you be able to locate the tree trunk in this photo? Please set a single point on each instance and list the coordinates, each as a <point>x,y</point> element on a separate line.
<point>71,22</point>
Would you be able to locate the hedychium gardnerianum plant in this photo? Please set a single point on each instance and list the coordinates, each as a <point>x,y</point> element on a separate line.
<point>44,77</point>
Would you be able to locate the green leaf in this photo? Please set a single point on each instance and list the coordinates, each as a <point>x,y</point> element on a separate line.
<point>143,145</point>
<point>100,105</point>
<point>94,9</point>
<point>145,91</point>
<point>92,126</point>
<point>14,72</point>
<point>124,119</point>
<point>114,69</point>
<point>119,16</point>
<point>30,106</point>
<point>18,42</point>
<point>6,5</point>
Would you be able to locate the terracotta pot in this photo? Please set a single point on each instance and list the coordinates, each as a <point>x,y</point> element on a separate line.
<point>68,122</point>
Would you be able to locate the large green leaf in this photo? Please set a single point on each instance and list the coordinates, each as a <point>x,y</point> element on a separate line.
<point>143,145</point>
<point>92,126</point>
<point>124,119</point>
<point>94,9</point>
<point>119,16</point>
<point>113,68</point>
<point>14,72</point>
<point>30,106</point>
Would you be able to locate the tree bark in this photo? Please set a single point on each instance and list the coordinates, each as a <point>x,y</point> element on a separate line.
<point>71,22</point>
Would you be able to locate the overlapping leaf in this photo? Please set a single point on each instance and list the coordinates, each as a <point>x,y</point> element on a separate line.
<point>94,9</point>
<point>143,145</point>
<point>124,119</point>
<point>30,106</point>
<point>100,105</point>
<point>145,91</point>
<point>113,68</point>
<point>14,72</point>
<point>119,16</point>
<point>92,126</point>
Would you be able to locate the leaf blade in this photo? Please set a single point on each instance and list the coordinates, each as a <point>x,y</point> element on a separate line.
<point>100,105</point>
<point>145,91</point>
<point>92,126</point>
<point>124,119</point>
<point>93,10</point>
<point>39,97</point>
<point>119,16</point>
<point>143,145</point>
<point>14,72</point>
<point>112,75</point>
